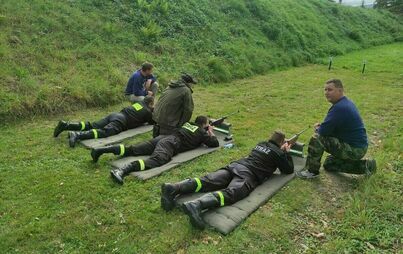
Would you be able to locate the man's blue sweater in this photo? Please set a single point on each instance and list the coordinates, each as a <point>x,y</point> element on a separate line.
<point>135,85</point>
<point>343,121</point>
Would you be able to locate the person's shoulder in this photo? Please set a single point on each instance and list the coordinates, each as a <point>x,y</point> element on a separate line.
<point>136,74</point>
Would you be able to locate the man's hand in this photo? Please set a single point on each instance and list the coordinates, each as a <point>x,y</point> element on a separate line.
<point>148,84</point>
<point>316,126</point>
<point>210,130</point>
<point>150,93</point>
<point>286,147</point>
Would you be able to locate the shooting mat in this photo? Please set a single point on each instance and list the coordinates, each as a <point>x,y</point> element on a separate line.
<point>225,219</point>
<point>93,143</point>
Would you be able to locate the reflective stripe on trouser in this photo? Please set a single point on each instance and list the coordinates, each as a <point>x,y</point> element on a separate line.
<point>221,196</point>
<point>82,126</point>
<point>95,133</point>
<point>122,150</point>
<point>142,165</point>
<point>199,185</point>
<point>347,158</point>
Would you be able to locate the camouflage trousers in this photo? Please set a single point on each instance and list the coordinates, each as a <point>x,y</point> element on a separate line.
<point>342,158</point>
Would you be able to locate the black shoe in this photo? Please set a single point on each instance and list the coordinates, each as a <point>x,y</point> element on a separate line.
<point>195,207</point>
<point>370,167</point>
<point>306,174</point>
<point>61,126</point>
<point>120,173</point>
<point>168,193</point>
<point>97,152</point>
<point>73,138</point>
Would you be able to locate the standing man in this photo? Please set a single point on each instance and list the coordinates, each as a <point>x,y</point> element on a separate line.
<point>233,182</point>
<point>142,83</point>
<point>174,107</point>
<point>342,134</point>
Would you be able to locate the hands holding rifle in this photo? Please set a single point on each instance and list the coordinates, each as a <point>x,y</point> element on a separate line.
<point>210,131</point>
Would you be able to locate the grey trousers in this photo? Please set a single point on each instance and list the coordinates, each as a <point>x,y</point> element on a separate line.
<point>133,98</point>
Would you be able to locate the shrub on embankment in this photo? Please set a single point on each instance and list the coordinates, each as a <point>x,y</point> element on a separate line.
<point>63,55</point>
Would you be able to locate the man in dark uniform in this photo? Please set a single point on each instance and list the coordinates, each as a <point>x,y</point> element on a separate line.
<point>342,134</point>
<point>174,107</point>
<point>162,148</point>
<point>233,182</point>
<point>128,118</point>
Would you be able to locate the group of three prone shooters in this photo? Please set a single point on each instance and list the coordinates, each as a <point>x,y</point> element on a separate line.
<point>342,134</point>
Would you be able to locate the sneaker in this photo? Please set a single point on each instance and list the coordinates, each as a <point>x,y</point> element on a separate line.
<point>305,174</point>
<point>370,167</point>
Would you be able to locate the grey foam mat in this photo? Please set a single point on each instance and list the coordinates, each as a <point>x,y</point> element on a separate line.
<point>226,219</point>
<point>93,143</point>
<point>176,160</point>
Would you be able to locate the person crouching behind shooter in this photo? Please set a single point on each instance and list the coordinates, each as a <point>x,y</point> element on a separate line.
<point>233,182</point>
<point>162,148</point>
<point>128,118</point>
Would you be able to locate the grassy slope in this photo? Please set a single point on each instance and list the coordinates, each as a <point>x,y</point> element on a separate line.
<point>54,198</point>
<point>64,55</point>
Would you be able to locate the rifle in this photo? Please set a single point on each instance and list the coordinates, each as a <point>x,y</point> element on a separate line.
<point>294,138</point>
<point>221,120</point>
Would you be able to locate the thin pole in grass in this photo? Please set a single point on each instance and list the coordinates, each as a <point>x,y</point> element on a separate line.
<point>364,63</point>
<point>330,63</point>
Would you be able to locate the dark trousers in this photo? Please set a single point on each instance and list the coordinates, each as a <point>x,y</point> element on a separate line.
<point>234,181</point>
<point>161,150</point>
<point>111,125</point>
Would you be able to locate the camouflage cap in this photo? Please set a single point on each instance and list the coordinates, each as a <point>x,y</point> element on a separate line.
<point>187,78</point>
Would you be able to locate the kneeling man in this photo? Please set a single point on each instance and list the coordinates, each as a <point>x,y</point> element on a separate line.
<point>233,182</point>
<point>128,118</point>
<point>342,134</point>
<point>161,148</point>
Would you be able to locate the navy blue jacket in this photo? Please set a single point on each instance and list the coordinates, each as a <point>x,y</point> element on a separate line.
<point>343,121</point>
<point>136,83</point>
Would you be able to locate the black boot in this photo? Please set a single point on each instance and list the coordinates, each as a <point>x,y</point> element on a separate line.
<point>75,136</point>
<point>195,207</point>
<point>119,173</point>
<point>170,190</point>
<point>97,152</point>
<point>64,126</point>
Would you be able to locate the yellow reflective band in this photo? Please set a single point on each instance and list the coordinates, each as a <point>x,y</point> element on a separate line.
<point>82,126</point>
<point>142,165</point>
<point>137,106</point>
<point>199,184</point>
<point>95,133</point>
<point>190,127</point>
<point>221,198</point>
<point>122,150</point>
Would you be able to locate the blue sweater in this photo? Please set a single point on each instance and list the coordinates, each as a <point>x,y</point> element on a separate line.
<point>343,121</point>
<point>136,83</point>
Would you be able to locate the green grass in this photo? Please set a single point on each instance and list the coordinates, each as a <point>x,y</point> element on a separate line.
<point>59,56</point>
<point>54,199</point>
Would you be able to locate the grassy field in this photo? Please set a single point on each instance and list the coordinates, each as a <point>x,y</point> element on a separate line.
<point>58,56</point>
<point>54,199</point>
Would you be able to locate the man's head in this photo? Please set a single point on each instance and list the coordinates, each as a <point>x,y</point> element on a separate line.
<point>334,90</point>
<point>202,121</point>
<point>188,79</point>
<point>147,68</point>
<point>278,137</point>
<point>149,101</point>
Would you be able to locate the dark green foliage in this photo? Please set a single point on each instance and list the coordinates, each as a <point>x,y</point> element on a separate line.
<point>64,55</point>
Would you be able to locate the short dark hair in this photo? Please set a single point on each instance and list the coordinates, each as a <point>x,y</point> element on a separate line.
<point>336,82</point>
<point>278,137</point>
<point>200,120</point>
<point>146,66</point>
<point>148,100</point>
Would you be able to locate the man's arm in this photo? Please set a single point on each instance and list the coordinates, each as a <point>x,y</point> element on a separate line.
<point>210,139</point>
<point>285,164</point>
<point>329,124</point>
<point>129,86</point>
<point>188,107</point>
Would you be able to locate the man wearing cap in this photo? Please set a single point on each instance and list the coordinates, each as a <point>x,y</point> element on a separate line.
<point>174,107</point>
<point>231,183</point>
<point>142,83</point>
<point>342,134</point>
<point>128,118</point>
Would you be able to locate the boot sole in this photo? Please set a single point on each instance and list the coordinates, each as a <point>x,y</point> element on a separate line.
<point>166,203</point>
<point>187,210</point>
<point>116,179</point>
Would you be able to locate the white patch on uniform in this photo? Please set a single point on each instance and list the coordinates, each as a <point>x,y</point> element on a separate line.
<point>263,149</point>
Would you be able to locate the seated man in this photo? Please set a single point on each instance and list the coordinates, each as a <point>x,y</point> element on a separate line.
<point>233,182</point>
<point>342,134</point>
<point>161,148</point>
<point>142,83</point>
<point>128,118</point>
